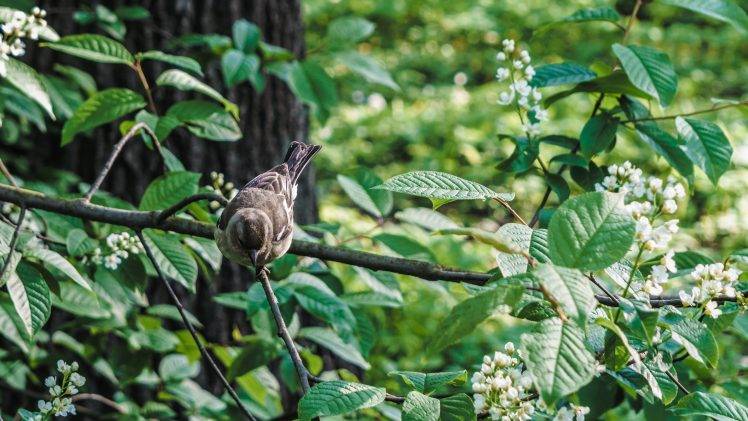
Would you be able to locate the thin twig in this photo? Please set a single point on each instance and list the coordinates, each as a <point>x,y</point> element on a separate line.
<point>677,382</point>
<point>283,332</point>
<point>603,289</point>
<point>697,112</point>
<point>138,220</point>
<point>631,21</point>
<point>101,399</point>
<point>511,210</point>
<point>13,241</point>
<point>146,87</point>
<point>364,234</point>
<point>113,157</point>
<point>171,210</point>
<point>206,356</point>
<point>7,174</point>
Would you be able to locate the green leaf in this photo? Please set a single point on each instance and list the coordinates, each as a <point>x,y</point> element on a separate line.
<point>558,359</point>
<point>176,367</point>
<point>30,296</point>
<point>711,405</point>
<point>93,47</point>
<point>695,337</point>
<point>661,141</point>
<point>27,81</point>
<point>558,140</point>
<point>569,288</point>
<point>497,239</point>
<point>104,107</point>
<point>326,338</point>
<point>561,74</point>
<point>724,10</point>
<point>590,232</point>
<point>523,156</point>
<point>598,134</point>
<point>439,185</point>
<point>313,86</point>
<point>172,258</point>
<point>558,184</point>
<point>326,307</point>
<point>349,30</point>
<point>706,145</point>
<point>419,407</point>
<point>186,63</point>
<point>605,13</point>
<point>571,160</point>
<point>616,83</point>
<point>465,316</point>
<point>360,188</point>
<point>426,218</point>
<point>368,68</point>
<point>246,35</point>
<point>206,120</point>
<point>58,262</point>
<point>429,382</point>
<point>338,397</point>
<point>170,312</point>
<point>186,82</point>
<point>256,353</point>
<point>237,66</point>
<point>457,408</point>
<point>78,243</point>
<point>168,189</point>
<point>649,70</point>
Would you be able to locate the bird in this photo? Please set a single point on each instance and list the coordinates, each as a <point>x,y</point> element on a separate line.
<point>256,227</point>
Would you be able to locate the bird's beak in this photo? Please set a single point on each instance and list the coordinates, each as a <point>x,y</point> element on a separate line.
<point>253,257</point>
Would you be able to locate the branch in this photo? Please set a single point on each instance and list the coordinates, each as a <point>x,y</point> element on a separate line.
<point>170,211</point>
<point>138,220</point>
<point>511,210</point>
<point>6,173</point>
<point>704,111</point>
<point>301,370</point>
<point>113,157</point>
<point>208,359</point>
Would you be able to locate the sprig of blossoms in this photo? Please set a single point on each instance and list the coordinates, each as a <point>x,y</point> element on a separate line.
<point>219,186</point>
<point>519,72</point>
<point>504,390</point>
<point>61,394</point>
<point>711,280</point>
<point>19,26</point>
<point>119,248</point>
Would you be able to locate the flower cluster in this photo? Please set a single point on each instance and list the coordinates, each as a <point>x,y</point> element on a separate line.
<point>120,246</point>
<point>61,404</point>
<point>571,413</point>
<point>647,199</point>
<point>519,73</point>
<point>19,26</point>
<point>219,186</point>
<point>711,280</point>
<point>658,276</point>
<point>503,388</point>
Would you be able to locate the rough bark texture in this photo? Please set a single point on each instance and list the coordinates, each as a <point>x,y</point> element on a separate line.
<point>269,121</point>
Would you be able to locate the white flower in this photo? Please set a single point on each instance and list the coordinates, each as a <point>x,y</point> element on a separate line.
<point>669,206</point>
<point>529,72</point>
<point>509,347</point>
<point>668,262</point>
<point>500,56</point>
<point>502,73</point>
<point>711,309</point>
<point>50,381</point>
<point>506,98</point>
<point>659,274</point>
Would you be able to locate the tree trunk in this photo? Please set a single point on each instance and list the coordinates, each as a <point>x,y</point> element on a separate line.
<point>269,121</point>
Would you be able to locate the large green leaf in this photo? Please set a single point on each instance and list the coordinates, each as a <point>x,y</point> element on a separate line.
<point>245,35</point>
<point>649,70</point>
<point>173,259</point>
<point>590,232</point>
<point>616,83</point>
<point>56,260</point>
<point>359,186</point>
<point>465,316</point>
<point>327,338</point>
<point>441,186</point>
<point>93,47</point>
<point>706,145</point>
<point>177,367</point>
<point>724,10</point>
<point>186,82</point>
<point>429,382</point>
<point>186,63</point>
<point>604,13</point>
<point>561,74</point>
<point>313,86</point>
<point>419,407</point>
<point>711,405</point>
<point>168,189</point>
<point>368,67</point>
<point>569,288</point>
<point>105,106</point>
<point>255,353</point>
<point>29,83</point>
<point>326,307</point>
<point>457,408</point>
<point>206,120</point>
<point>338,397</point>
<point>30,296</point>
<point>348,30</point>
<point>237,66</point>
<point>695,337</point>
<point>558,359</point>
<point>598,134</point>
<point>426,218</point>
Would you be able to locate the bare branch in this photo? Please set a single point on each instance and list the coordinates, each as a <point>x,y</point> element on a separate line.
<point>206,356</point>
<point>138,220</point>
<point>170,211</point>
<point>301,370</point>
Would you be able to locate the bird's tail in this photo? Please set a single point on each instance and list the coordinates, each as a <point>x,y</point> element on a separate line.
<point>298,156</point>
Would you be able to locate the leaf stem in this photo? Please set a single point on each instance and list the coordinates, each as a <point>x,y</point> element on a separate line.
<point>697,112</point>
<point>631,21</point>
<point>146,87</point>
<point>511,210</point>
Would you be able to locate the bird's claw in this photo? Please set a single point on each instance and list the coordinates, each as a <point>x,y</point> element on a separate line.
<point>263,270</point>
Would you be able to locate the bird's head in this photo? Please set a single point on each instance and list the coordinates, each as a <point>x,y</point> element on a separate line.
<point>251,231</point>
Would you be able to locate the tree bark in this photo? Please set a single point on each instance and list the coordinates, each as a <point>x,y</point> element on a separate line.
<point>269,121</point>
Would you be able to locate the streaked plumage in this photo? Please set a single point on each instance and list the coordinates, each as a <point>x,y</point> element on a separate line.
<point>257,224</point>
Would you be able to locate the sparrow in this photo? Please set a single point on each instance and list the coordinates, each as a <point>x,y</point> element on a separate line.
<point>257,225</point>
